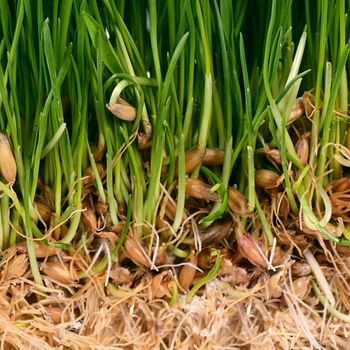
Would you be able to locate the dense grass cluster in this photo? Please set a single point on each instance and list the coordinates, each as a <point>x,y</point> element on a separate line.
<point>175,142</point>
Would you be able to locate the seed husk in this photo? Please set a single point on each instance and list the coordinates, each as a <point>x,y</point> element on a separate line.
<point>117,228</point>
<point>143,141</point>
<point>144,137</point>
<point>280,256</point>
<point>193,158</point>
<point>47,195</point>
<point>274,155</point>
<point>160,285</point>
<point>309,104</point>
<point>59,272</point>
<point>187,272</point>
<point>57,314</point>
<point>89,216</point>
<point>16,267</point>
<point>163,227</point>
<point>135,252</point>
<point>41,250</point>
<point>44,211</point>
<point>216,232</point>
<point>98,151</point>
<point>8,166</point>
<point>200,190</point>
<point>283,205</point>
<point>274,288</point>
<point>302,148</point>
<point>267,179</point>
<point>213,156</point>
<point>120,275</point>
<point>122,109</point>
<point>205,259</point>
<point>232,273</point>
<point>101,207</point>
<point>89,175</point>
<point>298,110</point>
<point>301,287</point>
<point>250,249</point>
<point>301,269</point>
<point>170,210</point>
<point>162,256</point>
<point>237,202</point>
<point>111,236</point>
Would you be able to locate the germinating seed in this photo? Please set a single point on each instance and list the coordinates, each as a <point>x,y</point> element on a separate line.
<point>193,158</point>
<point>122,109</point>
<point>199,189</point>
<point>8,167</point>
<point>267,179</point>
<point>188,272</point>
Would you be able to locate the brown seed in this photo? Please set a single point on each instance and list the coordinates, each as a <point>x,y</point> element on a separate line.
<point>89,175</point>
<point>193,158</point>
<point>122,109</point>
<point>59,272</point>
<point>47,195</point>
<point>188,272</point>
<point>301,269</point>
<point>232,273</point>
<point>216,232</point>
<point>267,179</point>
<point>274,288</point>
<point>43,210</point>
<point>64,230</point>
<point>298,110</point>
<point>117,228</point>
<point>101,207</point>
<point>283,206</point>
<point>110,236</point>
<point>213,156</point>
<point>16,267</point>
<point>160,285</point>
<point>98,151</point>
<point>170,210</point>
<point>120,275</point>
<point>309,104</point>
<point>302,148</point>
<point>144,137</point>
<point>199,189</point>
<point>250,249</point>
<point>237,202</point>
<point>89,217</point>
<point>274,155</point>
<point>57,315</point>
<point>288,237</point>
<point>163,228</point>
<point>280,256</point>
<point>41,250</point>
<point>8,167</point>
<point>205,259</point>
<point>143,141</point>
<point>135,252</point>
<point>162,256</point>
<point>301,287</point>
